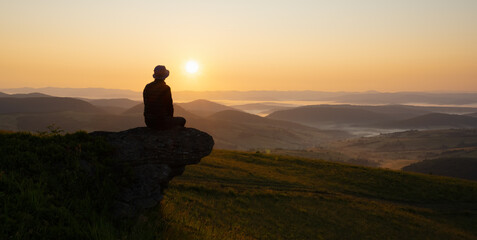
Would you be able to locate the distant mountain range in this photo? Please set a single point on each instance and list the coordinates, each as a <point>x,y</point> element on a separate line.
<point>93,93</point>
<point>23,95</point>
<point>263,108</point>
<point>115,102</point>
<point>330,115</point>
<point>407,98</point>
<point>9,105</point>
<point>203,107</point>
<point>35,112</point>
<point>387,116</point>
<point>324,131</point>
<point>114,106</point>
<point>434,121</point>
<point>370,97</point>
<point>233,127</point>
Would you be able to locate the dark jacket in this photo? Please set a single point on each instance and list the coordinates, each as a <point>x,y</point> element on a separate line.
<point>157,100</point>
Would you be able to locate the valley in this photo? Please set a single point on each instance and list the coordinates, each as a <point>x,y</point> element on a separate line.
<point>386,136</point>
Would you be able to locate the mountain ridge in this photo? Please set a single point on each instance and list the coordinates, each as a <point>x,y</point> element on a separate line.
<point>435,120</point>
<point>45,105</point>
<point>204,108</point>
<point>367,97</point>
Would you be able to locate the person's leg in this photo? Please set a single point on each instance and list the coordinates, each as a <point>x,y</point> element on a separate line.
<point>165,123</point>
<point>156,123</point>
<point>172,122</point>
<point>150,123</point>
<point>179,121</point>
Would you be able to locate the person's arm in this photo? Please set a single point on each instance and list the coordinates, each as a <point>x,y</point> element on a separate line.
<point>169,102</point>
<point>144,97</point>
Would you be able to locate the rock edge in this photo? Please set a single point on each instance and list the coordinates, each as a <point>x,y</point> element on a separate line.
<point>153,158</point>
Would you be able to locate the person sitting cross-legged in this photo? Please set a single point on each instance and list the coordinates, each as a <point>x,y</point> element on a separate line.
<point>158,108</point>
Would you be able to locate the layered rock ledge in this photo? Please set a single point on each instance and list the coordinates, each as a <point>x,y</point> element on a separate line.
<point>152,158</point>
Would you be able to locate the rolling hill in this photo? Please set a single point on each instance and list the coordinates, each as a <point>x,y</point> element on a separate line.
<point>399,149</point>
<point>240,130</point>
<point>434,121</point>
<point>114,106</point>
<point>406,98</point>
<point>263,109</point>
<point>203,107</point>
<point>47,192</point>
<point>72,122</point>
<point>233,129</point>
<point>322,115</point>
<point>45,105</point>
<point>465,168</point>
<point>24,95</point>
<point>241,117</point>
<point>372,120</point>
<point>472,114</point>
<point>69,114</point>
<point>137,109</point>
<point>93,93</point>
<point>369,97</point>
<point>236,195</point>
<point>114,102</point>
<point>448,110</point>
<point>247,118</point>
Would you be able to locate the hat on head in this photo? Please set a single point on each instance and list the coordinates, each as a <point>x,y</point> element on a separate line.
<point>160,72</point>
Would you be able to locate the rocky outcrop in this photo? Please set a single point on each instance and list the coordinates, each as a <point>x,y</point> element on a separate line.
<point>152,158</point>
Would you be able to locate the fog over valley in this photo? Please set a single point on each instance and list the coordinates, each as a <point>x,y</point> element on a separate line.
<point>273,122</point>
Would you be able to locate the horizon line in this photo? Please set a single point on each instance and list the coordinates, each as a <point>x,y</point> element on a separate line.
<point>323,91</point>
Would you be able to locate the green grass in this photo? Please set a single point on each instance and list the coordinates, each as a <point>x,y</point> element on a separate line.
<point>237,195</point>
<point>47,193</point>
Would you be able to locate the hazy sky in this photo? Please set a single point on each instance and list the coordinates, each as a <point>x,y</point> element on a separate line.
<point>384,45</point>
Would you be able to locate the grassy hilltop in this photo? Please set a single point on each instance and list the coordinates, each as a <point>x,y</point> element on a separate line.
<point>239,195</point>
<point>46,193</point>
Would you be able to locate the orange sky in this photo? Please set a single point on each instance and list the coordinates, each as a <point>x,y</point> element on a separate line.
<point>270,45</point>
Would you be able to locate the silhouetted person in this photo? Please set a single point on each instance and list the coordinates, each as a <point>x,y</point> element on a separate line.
<point>158,109</point>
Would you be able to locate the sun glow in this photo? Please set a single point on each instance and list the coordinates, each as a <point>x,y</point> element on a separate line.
<point>192,66</point>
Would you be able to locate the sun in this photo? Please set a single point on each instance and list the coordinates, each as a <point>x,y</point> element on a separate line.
<point>192,66</point>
